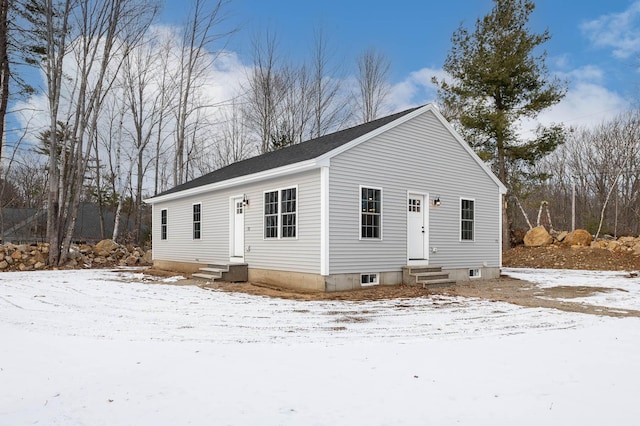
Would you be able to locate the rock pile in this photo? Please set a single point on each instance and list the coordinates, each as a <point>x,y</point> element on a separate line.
<point>622,244</point>
<point>539,237</point>
<point>105,253</point>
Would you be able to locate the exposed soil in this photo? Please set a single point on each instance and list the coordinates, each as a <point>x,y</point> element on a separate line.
<point>554,257</point>
<point>504,289</point>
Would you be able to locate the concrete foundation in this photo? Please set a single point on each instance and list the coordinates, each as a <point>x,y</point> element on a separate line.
<point>317,282</point>
<point>184,267</point>
<point>292,280</point>
<point>462,274</point>
<point>344,282</point>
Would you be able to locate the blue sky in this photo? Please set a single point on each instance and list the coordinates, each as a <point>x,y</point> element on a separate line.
<point>595,44</point>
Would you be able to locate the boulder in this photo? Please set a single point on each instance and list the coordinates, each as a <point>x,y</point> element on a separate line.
<point>4,265</point>
<point>39,265</point>
<point>131,260</point>
<point>613,245</point>
<point>561,236</point>
<point>105,247</point>
<point>537,237</point>
<point>579,237</point>
<point>147,257</point>
<point>636,249</point>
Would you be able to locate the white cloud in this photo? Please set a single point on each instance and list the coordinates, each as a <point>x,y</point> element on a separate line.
<point>587,103</point>
<point>415,89</point>
<point>620,31</point>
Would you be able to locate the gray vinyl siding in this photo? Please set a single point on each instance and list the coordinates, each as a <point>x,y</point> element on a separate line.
<point>301,254</point>
<point>418,155</point>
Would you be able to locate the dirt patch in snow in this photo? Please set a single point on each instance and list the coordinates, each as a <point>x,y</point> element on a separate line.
<point>525,293</point>
<point>504,289</point>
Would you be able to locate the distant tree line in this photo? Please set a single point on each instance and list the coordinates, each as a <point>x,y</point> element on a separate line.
<point>129,106</point>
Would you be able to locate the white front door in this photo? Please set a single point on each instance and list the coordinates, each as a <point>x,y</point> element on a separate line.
<point>238,227</point>
<point>416,227</point>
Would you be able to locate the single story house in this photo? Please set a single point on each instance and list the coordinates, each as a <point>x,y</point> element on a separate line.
<point>353,208</point>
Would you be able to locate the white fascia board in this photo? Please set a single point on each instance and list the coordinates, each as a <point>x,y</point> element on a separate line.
<point>465,145</point>
<point>302,166</point>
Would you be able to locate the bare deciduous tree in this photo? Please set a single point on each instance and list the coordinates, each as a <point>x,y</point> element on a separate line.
<point>196,56</point>
<point>373,85</point>
<point>265,90</point>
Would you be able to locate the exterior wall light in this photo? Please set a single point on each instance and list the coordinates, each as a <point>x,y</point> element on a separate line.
<point>436,201</point>
<point>245,200</point>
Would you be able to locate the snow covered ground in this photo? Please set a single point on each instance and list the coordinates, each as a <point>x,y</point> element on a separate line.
<point>103,348</point>
<point>625,293</point>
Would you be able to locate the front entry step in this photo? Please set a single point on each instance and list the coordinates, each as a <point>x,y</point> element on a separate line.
<point>231,272</point>
<point>427,276</point>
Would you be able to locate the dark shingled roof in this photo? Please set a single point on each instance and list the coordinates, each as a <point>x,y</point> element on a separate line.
<point>290,155</point>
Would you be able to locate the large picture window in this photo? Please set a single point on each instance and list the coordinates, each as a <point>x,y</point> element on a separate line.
<point>197,221</point>
<point>280,213</point>
<point>467,218</point>
<point>371,213</point>
<point>163,224</point>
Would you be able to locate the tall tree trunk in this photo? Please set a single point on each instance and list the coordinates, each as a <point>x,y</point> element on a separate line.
<point>4,70</point>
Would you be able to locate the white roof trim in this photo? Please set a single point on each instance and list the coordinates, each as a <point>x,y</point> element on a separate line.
<point>467,147</point>
<point>323,160</point>
<point>407,117</point>
<point>301,166</point>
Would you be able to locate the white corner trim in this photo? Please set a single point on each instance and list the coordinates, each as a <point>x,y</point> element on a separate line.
<point>324,221</point>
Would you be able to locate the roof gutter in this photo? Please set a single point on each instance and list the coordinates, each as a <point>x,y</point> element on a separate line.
<point>289,169</point>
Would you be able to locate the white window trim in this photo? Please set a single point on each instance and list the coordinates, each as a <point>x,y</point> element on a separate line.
<point>360,212</point>
<point>425,219</point>
<point>193,237</point>
<point>279,191</point>
<point>460,220</point>
<point>475,273</point>
<point>167,225</point>
<point>370,283</point>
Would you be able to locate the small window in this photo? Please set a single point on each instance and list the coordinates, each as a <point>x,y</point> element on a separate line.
<point>414,205</point>
<point>239,207</point>
<point>197,221</point>
<point>467,217</point>
<point>474,273</point>
<point>368,279</point>
<point>163,224</point>
<point>371,212</point>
